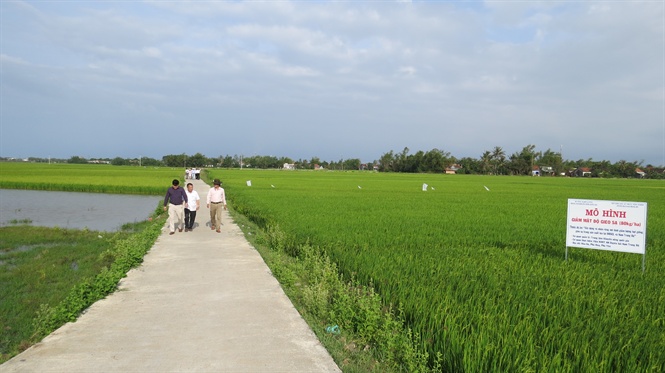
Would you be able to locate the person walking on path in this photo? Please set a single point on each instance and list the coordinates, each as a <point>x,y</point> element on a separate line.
<point>216,198</point>
<point>193,204</point>
<point>176,198</point>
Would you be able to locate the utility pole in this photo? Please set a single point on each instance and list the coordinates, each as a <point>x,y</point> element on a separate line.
<point>561,155</point>
<point>561,152</point>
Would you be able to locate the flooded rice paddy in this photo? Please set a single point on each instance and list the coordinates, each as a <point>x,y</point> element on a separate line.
<point>95,211</point>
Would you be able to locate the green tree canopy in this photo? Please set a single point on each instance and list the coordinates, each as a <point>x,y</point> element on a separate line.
<point>76,159</point>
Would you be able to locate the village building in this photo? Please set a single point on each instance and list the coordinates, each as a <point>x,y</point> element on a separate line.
<point>581,172</point>
<point>547,170</point>
<point>452,170</point>
<point>542,170</point>
<point>535,171</point>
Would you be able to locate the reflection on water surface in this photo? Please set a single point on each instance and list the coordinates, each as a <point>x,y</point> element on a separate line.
<point>96,211</point>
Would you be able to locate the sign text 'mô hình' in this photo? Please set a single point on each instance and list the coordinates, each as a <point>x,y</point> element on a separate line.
<point>606,225</point>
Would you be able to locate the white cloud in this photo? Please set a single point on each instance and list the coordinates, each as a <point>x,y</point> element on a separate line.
<point>407,71</point>
<point>497,73</point>
<point>152,52</point>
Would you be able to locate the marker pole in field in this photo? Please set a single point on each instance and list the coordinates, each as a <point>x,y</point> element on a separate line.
<point>644,254</point>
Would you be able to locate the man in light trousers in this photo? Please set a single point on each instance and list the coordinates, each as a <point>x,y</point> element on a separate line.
<point>216,201</point>
<point>176,198</point>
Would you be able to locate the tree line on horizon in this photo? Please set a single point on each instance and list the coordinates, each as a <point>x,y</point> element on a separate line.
<point>491,162</point>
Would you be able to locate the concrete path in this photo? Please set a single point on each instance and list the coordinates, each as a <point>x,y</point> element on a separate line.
<point>201,302</point>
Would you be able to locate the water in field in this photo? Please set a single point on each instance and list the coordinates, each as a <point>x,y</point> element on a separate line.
<point>95,211</point>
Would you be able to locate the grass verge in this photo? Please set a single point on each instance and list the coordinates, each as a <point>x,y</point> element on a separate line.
<point>48,276</point>
<point>349,319</point>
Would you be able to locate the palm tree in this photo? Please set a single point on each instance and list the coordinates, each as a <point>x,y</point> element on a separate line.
<point>498,158</point>
<point>486,161</point>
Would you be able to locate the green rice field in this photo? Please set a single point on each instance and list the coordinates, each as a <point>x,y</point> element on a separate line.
<point>477,265</point>
<point>101,178</point>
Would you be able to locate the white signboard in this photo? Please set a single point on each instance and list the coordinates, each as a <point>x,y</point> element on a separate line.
<point>607,225</point>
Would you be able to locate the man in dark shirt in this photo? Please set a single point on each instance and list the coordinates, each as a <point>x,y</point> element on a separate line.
<point>176,198</point>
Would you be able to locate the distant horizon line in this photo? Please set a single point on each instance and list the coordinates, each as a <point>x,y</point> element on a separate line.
<point>27,159</point>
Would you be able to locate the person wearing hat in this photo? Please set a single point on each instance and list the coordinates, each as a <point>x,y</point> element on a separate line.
<point>216,201</point>
<point>176,198</point>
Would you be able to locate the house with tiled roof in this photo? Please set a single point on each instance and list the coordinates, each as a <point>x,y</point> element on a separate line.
<point>581,172</point>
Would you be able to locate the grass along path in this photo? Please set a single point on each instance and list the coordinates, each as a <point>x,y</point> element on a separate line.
<point>479,273</point>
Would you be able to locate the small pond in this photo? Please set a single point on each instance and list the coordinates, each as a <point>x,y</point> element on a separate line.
<point>95,211</point>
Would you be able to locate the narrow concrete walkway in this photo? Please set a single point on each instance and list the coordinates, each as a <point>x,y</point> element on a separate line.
<point>201,302</point>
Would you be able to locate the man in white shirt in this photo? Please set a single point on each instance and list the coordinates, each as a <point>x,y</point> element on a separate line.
<point>192,206</point>
<point>217,199</point>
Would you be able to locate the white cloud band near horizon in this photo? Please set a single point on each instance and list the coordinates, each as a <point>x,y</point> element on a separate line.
<point>332,79</point>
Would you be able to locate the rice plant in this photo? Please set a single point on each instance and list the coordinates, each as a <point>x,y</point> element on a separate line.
<point>87,178</point>
<point>479,273</point>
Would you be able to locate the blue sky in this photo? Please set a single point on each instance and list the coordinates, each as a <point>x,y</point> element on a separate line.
<point>332,80</point>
